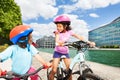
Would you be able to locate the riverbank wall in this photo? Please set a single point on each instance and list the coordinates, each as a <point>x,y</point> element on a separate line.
<point>104,48</point>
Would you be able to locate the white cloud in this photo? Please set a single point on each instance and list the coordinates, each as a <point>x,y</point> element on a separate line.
<point>114,1</point>
<point>94,15</point>
<point>79,26</point>
<point>41,30</point>
<point>31,9</point>
<point>88,4</point>
<point>68,8</point>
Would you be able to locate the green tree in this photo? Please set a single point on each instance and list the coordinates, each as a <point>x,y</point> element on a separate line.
<point>10,16</point>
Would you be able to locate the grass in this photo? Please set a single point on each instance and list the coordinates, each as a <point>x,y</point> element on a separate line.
<point>3,47</point>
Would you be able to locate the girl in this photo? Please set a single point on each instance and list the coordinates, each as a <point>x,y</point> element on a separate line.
<point>62,35</point>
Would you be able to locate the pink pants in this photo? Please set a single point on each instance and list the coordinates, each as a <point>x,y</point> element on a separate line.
<point>33,77</point>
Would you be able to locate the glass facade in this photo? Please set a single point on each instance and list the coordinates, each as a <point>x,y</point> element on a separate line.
<point>107,35</point>
<point>46,42</point>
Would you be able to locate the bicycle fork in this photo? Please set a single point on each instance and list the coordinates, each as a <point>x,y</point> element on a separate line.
<point>80,57</point>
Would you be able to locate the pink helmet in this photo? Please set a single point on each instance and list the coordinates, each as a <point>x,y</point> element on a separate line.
<point>62,18</point>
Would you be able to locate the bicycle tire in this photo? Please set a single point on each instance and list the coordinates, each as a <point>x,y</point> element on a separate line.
<point>60,73</point>
<point>89,76</point>
<point>79,69</point>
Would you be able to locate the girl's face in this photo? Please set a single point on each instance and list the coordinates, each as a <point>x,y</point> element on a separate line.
<point>60,27</point>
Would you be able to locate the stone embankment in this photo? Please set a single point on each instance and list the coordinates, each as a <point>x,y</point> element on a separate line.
<point>104,71</point>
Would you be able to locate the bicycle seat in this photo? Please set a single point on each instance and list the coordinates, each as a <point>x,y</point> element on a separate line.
<point>63,56</point>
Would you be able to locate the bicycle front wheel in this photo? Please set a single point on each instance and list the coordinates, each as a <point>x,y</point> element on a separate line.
<point>78,70</point>
<point>89,76</point>
<point>60,74</point>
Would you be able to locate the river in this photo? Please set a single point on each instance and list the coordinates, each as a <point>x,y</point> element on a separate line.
<point>108,57</point>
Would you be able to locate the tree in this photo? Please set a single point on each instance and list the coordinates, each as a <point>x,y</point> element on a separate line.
<point>10,16</point>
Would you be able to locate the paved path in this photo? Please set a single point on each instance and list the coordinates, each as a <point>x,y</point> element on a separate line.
<point>106,72</point>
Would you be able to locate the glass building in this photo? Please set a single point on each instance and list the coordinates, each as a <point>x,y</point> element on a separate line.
<point>46,42</point>
<point>107,35</point>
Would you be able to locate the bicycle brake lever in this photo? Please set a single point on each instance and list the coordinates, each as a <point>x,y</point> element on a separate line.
<point>67,44</point>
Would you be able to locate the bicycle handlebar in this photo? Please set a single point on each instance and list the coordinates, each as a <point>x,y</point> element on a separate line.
<point>11,75</point>
<point>79,45</point>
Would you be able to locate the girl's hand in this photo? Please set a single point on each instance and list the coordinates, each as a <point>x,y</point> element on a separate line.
<point>55,32</point>
<point>92,44</point>
<point>60,43</point>
<point>57,41</point>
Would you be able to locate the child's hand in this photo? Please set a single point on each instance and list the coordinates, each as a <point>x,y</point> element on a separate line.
<point>0,72</point>
<point>47,65</point>
<point>92,44</point>
<point>60,43</point>
<point>55,32</point>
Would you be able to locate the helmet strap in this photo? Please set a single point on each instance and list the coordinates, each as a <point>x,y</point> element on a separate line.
<point>24,43</point>
<point>28,47</point>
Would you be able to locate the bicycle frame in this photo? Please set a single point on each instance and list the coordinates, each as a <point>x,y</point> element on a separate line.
<point>11,75</point>
<point>78,58</point>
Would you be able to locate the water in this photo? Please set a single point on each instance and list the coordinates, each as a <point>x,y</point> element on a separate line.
<point>108,57</point>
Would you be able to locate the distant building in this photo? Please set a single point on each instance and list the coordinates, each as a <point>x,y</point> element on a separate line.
<point>46,42</point>
<point>107,35</point>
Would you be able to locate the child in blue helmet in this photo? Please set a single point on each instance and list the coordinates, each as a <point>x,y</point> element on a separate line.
<point>22,51</point>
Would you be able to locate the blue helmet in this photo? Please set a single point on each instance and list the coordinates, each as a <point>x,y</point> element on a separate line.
<point>19,31</point>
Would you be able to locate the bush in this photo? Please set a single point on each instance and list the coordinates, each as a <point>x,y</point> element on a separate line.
<point>3,47</point>
<point>116,46</point>
<point>110,46</point>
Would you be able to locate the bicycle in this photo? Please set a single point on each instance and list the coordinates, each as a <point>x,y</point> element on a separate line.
<point>11,75</point>
<point>84,72</point>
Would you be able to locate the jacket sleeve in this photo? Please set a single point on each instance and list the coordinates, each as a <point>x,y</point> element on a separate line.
<point>7,53</point>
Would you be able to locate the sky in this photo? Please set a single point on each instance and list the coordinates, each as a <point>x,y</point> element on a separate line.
<point>85,15</point>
